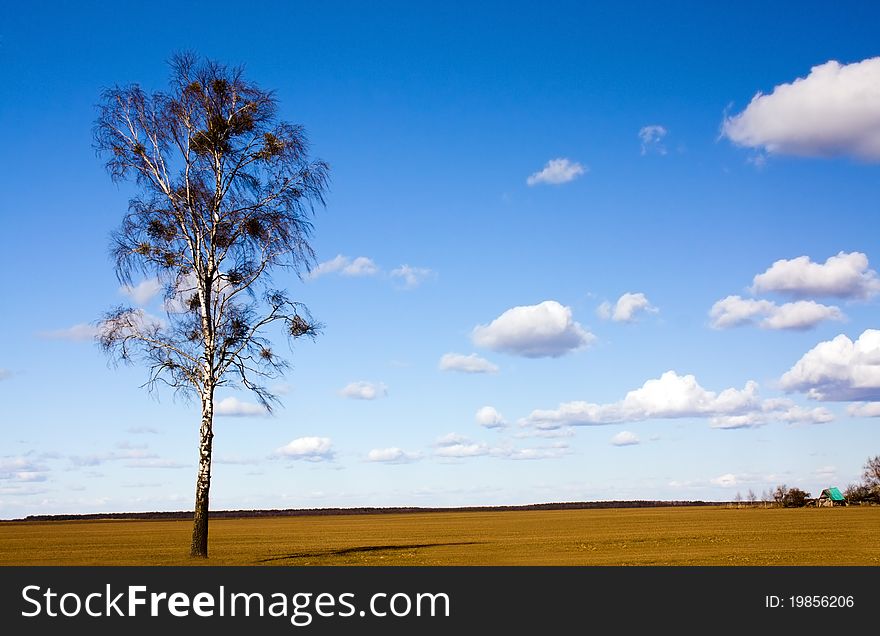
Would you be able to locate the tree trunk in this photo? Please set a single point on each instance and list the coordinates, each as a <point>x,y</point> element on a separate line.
<point>199,547</point>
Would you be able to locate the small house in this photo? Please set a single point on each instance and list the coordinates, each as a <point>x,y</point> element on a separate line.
<point>832,497</point>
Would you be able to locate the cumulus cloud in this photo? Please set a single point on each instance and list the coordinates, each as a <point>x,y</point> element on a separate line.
<point>652,139</point>
<point>735,311</point>
<point>411,277</point>
<point>833,111</point>
<point>864,409</point>
<point>801,415</point>
<point>345,266</point>
<point>845,275</point>
<point>360,266</point>
<point>627,307</point>
<point>673,396</point>
<point>311,449</point>
<point>839,370</point>
<point>774,410</point>
<point>143,292</point>
<point>557,171</point>
<point>450,439</point>
<point>392,455</point>
<point>625,438</point>
<point>534,331</point>
<point>463,449</point>
<point>669,396</point>
<point>364,390</point>
<point>233,407</point>
<point>466,363</point>
<point>455,446</point>
<point>489,417</point>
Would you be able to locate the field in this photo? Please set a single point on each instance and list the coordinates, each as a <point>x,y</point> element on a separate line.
<point>655,536</point>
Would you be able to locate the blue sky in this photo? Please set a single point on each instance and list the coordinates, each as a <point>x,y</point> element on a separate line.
<point>565,256</point>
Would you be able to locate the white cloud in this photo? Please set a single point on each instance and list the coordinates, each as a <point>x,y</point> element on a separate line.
<point>5,374</point>
<point>865,409</point>
<point>233,407</point>
<point>392,455</point>
<point>143,292</point>
<point>455,445</point>
<point>312,449</point>
<point>489,417</point>
<point>466,364</point>
<point>527,454</point>
<point>534,331</point>
<point>469,449</point>
<point>75,333</point>
<point>360,266</point>
<point>411,277</point>
<point>774,410</point>
<point>727,480</point>
<point>345,266</point>
<point>626,308</point>
<point>800,315</point>
<point>329,267</point>
<point>845,275</point>
<point>801,415</point>
<point>752,419</point>
<point>364,390</point>
<point>21,469</point>
<point>839,370</point>
<point>734,311</point>
<point>652,139</point>
<point>670,396</point>
<point>833,111</point>
<point>28,476</point>
<point>625,438</point>
<point>557,171</point>
<point>450,439</point>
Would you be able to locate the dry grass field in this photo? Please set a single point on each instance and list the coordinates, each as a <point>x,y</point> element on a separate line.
<point>647,536</point>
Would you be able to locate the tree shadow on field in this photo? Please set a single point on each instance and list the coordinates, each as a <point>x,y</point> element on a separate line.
<point>363,549</point>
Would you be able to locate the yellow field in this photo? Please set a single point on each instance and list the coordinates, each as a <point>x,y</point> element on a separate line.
<point>647,536</point>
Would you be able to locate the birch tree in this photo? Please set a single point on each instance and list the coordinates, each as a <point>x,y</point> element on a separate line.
<point>226,195</point>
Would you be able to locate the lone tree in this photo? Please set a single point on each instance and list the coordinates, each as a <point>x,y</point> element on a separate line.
<point>226,194</point>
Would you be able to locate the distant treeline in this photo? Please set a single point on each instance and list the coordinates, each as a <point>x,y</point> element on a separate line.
<point>306,512</point>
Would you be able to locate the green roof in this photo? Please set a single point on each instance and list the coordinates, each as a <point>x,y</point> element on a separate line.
<point>833,494</point>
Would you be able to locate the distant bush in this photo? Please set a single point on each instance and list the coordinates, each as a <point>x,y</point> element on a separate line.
<point>790,497</point>
<point>796,498</point>
<point>862,493</point>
